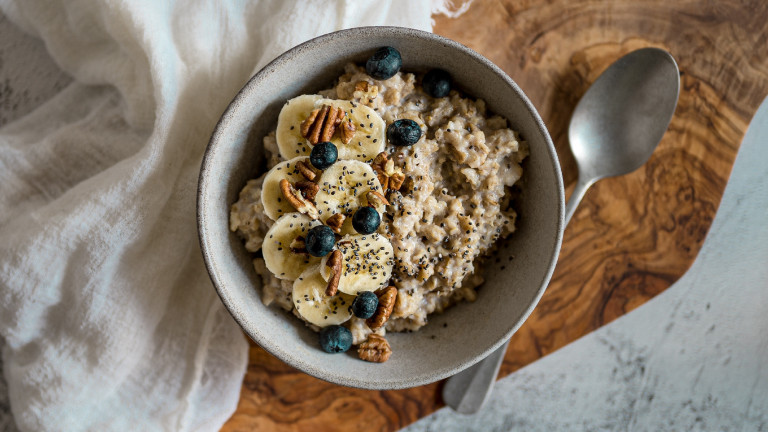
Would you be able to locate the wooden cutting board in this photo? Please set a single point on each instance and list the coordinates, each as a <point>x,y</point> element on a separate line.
<point>632,237</point>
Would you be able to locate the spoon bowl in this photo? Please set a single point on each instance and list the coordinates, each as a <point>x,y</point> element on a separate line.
<point>615,128</point>
<point>621,118</point>
<point>630,103</point>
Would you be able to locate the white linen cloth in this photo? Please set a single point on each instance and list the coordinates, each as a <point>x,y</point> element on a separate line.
<point>110,320</point>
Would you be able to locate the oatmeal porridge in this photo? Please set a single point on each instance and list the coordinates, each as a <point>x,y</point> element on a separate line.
<point>382,196</point>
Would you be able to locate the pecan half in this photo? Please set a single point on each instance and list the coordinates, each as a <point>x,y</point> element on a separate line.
<point>376,199</point>
<point>317,125</point>
<point>306,125</point>
<point>305,170</point>
<point>396,181</point>
<point>387,297</point>
<point>346,131</point>
<point>308,189</point>
<point>321,124</point>
<point>297,200</point>
<point>335,222</point>
<point>340,115</point>
<point>375,349</point>
<point>334,263</point>
<point>330,124</point>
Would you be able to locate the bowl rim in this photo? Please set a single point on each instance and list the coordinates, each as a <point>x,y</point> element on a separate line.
<point>262,339</point>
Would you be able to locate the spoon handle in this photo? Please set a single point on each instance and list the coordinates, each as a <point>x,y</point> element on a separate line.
<point>467,391</point>
<point>576,196</point>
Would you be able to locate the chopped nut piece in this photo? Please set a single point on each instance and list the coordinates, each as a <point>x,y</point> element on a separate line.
<point>389,167</point>
<point>308,189</point>
<point>366,92</point>
<point>380,160</point>
<point>298,246</point>
<point>334,262</point>
<point>384,167</point>
<point>396,181</point>
<point>387,297</point>
<point>335,222</point>
<point>306,171</point>
<point>297,200</point>
<point>383,178</point>
<point>376,199</point>
<point>375,349</point>
<point>347,131</point>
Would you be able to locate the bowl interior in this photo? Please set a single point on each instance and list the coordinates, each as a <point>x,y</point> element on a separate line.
<point>515,277</point>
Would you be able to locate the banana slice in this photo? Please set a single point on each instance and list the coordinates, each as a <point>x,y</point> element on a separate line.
<point>278,256</point>
<point>367,141</point>
<point>367,262</point>
<point>288,133</point>
<point>344,187</point>
<point>314,306</point>
<point>275,204</point>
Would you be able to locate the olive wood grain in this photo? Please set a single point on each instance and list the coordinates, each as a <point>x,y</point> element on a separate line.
<point>632,237</point>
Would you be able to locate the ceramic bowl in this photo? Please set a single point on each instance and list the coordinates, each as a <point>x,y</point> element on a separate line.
<point>516,276</point>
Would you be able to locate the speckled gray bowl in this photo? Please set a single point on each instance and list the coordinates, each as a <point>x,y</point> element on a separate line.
<point>452,341</point>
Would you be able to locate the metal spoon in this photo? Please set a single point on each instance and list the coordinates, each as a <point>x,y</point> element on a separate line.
<point>615,127</point>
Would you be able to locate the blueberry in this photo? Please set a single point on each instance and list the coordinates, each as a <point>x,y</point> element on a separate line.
<point>335,339</point>
<point>384,63</point>
<point>437,83</point>
<point>323,155</point>
<point>364,305</point>
<point>403,132</point>
<point>320,241</point>
<point>366,220</point>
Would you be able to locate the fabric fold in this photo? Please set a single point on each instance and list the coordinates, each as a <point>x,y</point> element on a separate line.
<point>109,317</point>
